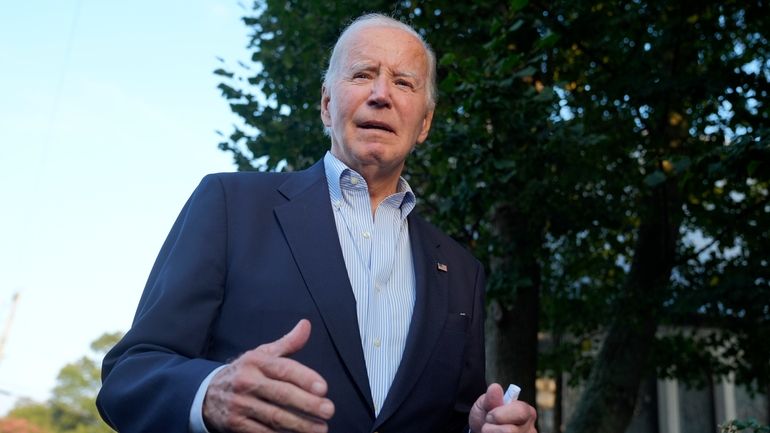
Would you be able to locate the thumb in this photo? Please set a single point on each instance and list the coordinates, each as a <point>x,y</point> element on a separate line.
<point>291,342</point>
<point>494,397</point>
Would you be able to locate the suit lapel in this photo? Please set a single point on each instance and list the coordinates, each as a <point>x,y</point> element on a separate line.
<point>430,309</point>
<point>308,224</point>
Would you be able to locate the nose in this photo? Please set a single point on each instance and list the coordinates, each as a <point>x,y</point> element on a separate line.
<point>380,95</point>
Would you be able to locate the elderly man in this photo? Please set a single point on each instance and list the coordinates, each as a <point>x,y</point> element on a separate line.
<point>222,337</point>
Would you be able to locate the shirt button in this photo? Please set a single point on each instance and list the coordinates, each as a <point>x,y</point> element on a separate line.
<point>366,235</point>
<point>354,180</point>
<point>377,342</point>
<point>378,287</point>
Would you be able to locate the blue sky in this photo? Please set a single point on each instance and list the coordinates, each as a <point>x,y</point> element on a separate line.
<point>108,113</point>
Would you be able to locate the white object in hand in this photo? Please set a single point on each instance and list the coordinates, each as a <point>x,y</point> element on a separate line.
<point>511,394</point>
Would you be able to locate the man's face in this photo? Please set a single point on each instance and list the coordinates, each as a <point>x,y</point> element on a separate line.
<point>377,105</point>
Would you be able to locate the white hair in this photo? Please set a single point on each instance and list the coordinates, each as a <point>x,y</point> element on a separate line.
<point>380,20</point>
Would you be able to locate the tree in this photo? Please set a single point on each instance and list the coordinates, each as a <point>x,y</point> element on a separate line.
<point>674,90</point>
<point>606,161</point>
<point>71,407</point>
<point>19,425</point>
<point>28,416</point>
<point>472,142</point>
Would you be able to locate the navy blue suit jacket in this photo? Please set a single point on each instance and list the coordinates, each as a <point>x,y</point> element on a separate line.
<point>249,256</point>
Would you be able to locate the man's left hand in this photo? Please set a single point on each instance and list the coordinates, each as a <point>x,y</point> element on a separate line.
<point>490,415</point>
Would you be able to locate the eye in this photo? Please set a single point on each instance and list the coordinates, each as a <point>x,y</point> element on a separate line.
<point>361,75</point>
<point>405,83</point>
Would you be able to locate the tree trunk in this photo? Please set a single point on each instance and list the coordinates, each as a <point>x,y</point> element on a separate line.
<point>512,326</point>
<point>608,400</point>
<point>558,408</point>
<point>512,343</point>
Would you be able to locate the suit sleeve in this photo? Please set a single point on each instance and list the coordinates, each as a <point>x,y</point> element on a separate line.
<point>149,379</point>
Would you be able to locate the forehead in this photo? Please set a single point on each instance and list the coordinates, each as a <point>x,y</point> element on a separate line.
<point>388,46</point>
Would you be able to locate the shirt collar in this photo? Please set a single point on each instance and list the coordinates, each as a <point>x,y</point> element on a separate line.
<point>339,176</point>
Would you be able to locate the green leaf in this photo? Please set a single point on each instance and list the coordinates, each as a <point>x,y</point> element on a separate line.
<point>547,41</point>
<point>655,178</point>
<point>222,72</point>
<point>510,62</point>
<point>494,27</point>
<point>449,83</point>
<point>682,164</point>
<point>448,59</point>
<point>517,5</point>
<point>504,164</point>
<point>752,167</point>
<point>515,26</point>
<point>528,71</point>
<point>547,94</point>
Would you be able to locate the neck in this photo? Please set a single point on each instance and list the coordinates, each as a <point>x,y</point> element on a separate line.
<point>379,190</point>
<point>381,180</point>
<point>378,193</point>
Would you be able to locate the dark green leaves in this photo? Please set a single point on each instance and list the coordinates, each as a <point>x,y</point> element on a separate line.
<point>563,129</point>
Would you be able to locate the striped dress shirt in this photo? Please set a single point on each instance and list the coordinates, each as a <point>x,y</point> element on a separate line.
<point>378,258</point>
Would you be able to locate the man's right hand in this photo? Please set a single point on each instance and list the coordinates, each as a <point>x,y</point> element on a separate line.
<point>263,391</point>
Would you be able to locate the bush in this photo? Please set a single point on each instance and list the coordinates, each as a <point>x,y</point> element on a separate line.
<point>749,426</point>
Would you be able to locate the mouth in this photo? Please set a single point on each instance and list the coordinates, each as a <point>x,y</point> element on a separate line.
<point>373,124</point>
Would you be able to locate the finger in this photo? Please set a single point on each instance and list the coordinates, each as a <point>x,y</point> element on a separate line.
<point>490,428</point>
<point>291,371</point>
<point>245,415</point>
<point>282,419</point>
<point>230,413</point>
<point>493,397</point>
<point>289,343</point>
<point>248,425</point>
<point>515,413</point>
<point>286,394</point>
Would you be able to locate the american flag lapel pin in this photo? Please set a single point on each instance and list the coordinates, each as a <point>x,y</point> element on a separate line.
<point>442,267</point>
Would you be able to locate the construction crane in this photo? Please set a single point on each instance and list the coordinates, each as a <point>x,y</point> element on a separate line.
<point>8,323</point>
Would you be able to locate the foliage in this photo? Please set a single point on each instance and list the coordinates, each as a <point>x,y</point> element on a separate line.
<point>28,415</point>
<point>478,156</point>
<point>607,161</point>
<point>71,408</point>
<point>20,425</point>
<point>675,89</point>
<point>750,425</point>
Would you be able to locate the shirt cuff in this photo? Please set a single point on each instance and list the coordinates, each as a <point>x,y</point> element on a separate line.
<point>196,410</point>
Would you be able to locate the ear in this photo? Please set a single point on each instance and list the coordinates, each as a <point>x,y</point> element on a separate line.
<point>326,117</point>
<point>426,122</point>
